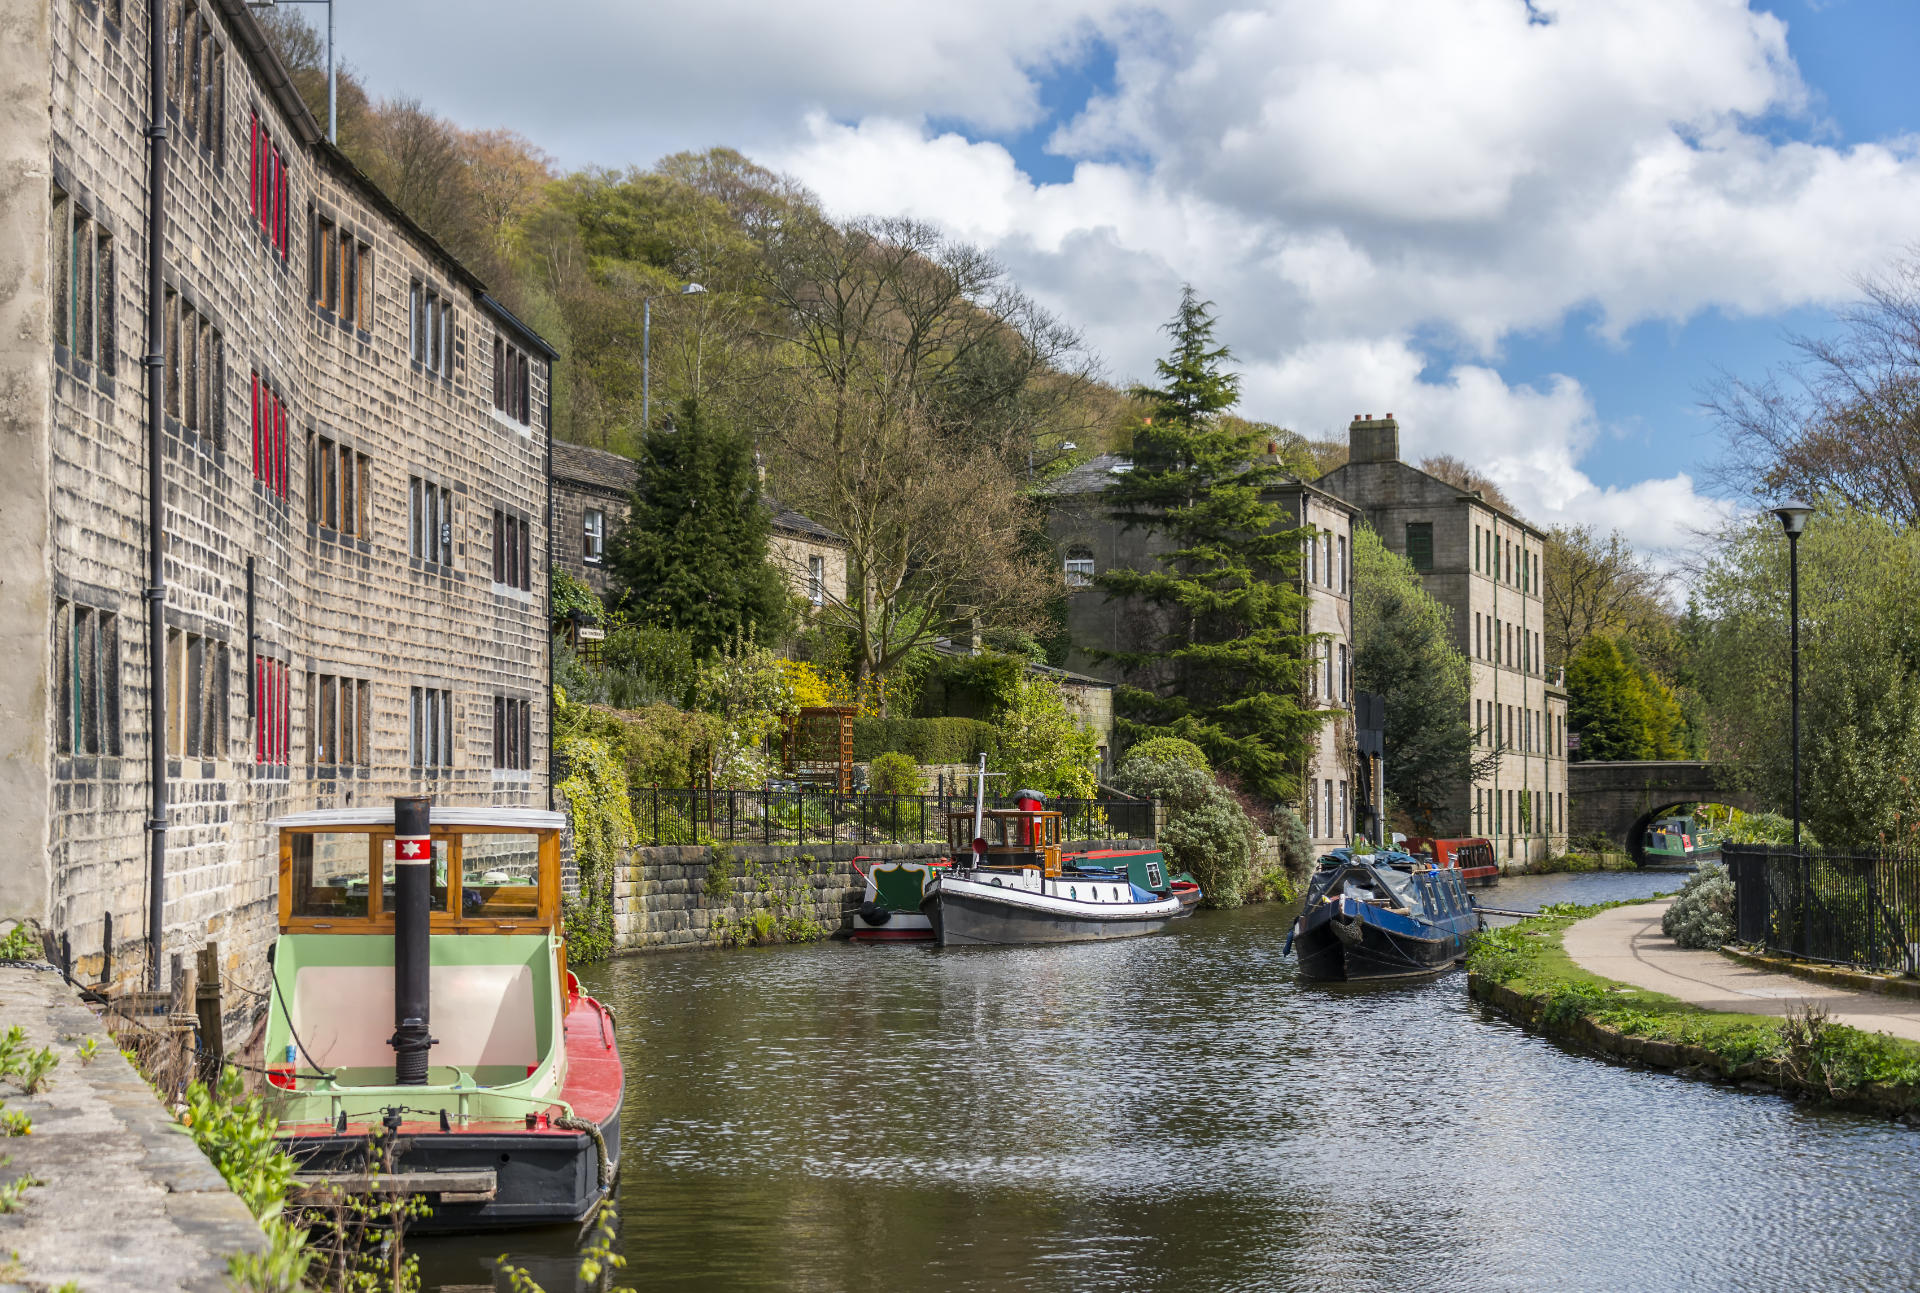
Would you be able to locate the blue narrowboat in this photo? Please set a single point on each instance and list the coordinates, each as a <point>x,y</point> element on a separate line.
<point>1385,915</point>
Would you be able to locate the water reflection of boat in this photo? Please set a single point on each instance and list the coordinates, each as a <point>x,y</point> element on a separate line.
<point>495,1079</point>
<point>1381,916</point>
<point>1009,883</point>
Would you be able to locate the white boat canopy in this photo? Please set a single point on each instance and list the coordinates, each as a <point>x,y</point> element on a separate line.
<point>513,819</point>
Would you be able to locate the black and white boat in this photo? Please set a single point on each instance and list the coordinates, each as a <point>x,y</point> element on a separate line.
<point>1008,883</point>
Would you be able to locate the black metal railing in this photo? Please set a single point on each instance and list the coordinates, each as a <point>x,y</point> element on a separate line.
<point>1842,908</point>
<point>811,815</point>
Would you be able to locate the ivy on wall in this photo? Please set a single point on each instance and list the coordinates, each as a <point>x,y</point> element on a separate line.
<point>595,787</point>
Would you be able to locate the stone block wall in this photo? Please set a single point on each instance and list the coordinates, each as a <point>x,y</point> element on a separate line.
<point>673,897</point>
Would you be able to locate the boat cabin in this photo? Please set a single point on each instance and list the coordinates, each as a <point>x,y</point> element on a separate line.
<point>1012,839</point>
<point>498,960</point>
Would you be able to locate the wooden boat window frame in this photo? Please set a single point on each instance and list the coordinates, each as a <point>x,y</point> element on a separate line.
<point>378,920</point>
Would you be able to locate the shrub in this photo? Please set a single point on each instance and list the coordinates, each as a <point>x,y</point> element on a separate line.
<point>1702,913</point>
<point>1043,744</point>
<point>1207,832</point>
<point>1170,749</point>
<point>1295,845</point>
<point>1767,828</point>
<point>927,740</point>
<point>894,773</point>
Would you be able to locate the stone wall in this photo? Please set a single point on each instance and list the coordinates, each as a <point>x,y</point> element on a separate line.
<point>682,896</point>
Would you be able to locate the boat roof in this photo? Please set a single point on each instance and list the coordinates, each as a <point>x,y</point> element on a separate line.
<point>519,819</point>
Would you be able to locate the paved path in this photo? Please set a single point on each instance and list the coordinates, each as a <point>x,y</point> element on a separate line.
<point>1625,943</point>
<point>127,1203</point>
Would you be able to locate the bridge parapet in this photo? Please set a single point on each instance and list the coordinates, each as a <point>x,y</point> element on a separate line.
<point>1619,800</point>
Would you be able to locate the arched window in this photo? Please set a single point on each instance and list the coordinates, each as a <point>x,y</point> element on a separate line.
<point>1079,566</point>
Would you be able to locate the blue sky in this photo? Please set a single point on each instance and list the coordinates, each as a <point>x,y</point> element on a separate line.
<point>1535,241</point>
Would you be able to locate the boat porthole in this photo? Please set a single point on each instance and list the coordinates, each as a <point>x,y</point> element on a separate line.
<point>1073,893</point>
<point>996,884</point>
<point>506,1158</point>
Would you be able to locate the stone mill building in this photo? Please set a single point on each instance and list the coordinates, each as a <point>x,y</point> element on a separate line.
<point>274,520</point>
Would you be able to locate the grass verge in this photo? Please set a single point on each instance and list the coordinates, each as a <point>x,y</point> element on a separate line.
<point>1524,971</point>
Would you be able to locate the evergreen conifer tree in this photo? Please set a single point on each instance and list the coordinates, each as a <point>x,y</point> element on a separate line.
<point>693,553</point>
<point>1605,703</point>
<point>1222,655</point>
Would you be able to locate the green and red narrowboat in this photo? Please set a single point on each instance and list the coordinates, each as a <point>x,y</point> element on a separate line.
<point>421,1001</point>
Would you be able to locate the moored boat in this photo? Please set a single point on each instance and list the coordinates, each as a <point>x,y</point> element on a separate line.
<point>1381,916</point>
<point>1472,858</point>
<point>1008,883</point>
<point>421,1001</point>
<point>889,910</point>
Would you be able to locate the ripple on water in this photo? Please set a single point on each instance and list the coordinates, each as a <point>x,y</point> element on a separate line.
<point>1179,1112</point>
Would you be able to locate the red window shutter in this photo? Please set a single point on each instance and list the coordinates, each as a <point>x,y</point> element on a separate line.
<point>255,406</point>
<point>280,445</point>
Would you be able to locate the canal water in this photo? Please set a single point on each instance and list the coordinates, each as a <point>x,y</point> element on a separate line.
<point>1178,1112</point>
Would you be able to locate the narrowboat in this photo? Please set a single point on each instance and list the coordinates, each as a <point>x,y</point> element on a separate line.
<point>889,910</point>
<point>1008,883</point>
<point>1472,858</point>
<point>421,1004</point>
<point>1385,915</point>
<point>1675,840</point>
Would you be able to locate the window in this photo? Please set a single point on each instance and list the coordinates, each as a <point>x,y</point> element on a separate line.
<point>82,281</point>
<point>430,521</point>
<point>1346,675</point>
<point>337,720</point>
<point>1420,545</point>
<point>1329,806</point>
<point>269,418</point>
<point>272,711</point>
<point>430,728</point>
<point>198,77</point>
<point>1341,568</point>
<point>512,389</point>
<point>196,696</point>
<point>1509,550</point>
<point>1326,654</point>
<point>268,189</point>
<point>512,733</point>
<point>594,548</point>
<point>86,648</point>
<point>340,273</point>
<point>817,580</point>
<point>512,550</point>
<point>1476,634</point>
<point>1311,565</point>
<point>430,322</point>
<point>1476,547</point>
<point>338,478</point>
<point>1343,810</point>
<point>196,370</point>
<point>1079,567</point>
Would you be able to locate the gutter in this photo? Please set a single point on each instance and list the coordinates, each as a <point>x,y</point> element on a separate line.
<point>156,590</point>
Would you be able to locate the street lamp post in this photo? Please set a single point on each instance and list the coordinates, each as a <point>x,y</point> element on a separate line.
<point>333,115</point>
<point>1793,519</point>
<point>646,353</point>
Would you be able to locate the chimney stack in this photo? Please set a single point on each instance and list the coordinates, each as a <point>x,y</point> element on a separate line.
<point>1371,439</point>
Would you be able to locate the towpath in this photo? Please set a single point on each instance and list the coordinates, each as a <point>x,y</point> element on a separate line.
<point>125,1201</point>
<point>1625,943</point>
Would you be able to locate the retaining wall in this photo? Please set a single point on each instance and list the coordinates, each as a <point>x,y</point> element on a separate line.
<point>680,896</point>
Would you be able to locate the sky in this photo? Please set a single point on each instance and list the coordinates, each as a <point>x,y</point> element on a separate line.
<point>1534,230</point>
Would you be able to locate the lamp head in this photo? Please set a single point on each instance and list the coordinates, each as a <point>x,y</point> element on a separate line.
<point>692,289</point>
<point>1793,516</point>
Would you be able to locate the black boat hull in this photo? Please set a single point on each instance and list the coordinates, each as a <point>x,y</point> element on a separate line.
<point>540,1179</point>
<point>1336,949</point>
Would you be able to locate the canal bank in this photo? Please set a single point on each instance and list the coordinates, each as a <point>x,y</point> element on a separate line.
<point>678,897</point>
<point>1610,982</point>
<point>123,1199</point>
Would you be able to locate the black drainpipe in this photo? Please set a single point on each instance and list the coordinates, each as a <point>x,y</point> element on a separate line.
<point>156,592</point>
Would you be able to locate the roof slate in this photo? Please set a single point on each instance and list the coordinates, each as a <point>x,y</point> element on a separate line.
<point>590,466</point>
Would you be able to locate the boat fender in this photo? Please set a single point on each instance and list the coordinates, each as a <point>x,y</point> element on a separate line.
<point>570,1123</point>
<point>875,913</point>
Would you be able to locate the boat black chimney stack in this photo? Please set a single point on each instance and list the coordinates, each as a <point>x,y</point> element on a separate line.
<point>412,958</point>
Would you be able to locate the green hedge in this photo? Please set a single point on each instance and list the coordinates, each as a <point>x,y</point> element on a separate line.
<point>928,740</point>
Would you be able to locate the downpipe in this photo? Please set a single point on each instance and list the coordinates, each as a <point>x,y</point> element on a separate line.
<point>156,589</point>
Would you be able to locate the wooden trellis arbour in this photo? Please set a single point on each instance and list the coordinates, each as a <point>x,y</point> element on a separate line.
<point>819,746</point>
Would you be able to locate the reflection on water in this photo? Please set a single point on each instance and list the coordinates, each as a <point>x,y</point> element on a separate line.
<point>1178,1112</point>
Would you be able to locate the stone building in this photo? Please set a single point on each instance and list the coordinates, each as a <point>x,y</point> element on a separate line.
<point>1089,541</point>
<point>1486,566</point>
<point>593,492</point>
<point>350,501</point>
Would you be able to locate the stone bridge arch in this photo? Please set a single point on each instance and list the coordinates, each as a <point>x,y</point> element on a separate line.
<point>1620,800</point>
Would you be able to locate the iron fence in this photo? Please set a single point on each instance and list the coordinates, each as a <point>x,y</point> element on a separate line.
<point>810,815</point>
<point>1858,909</point>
